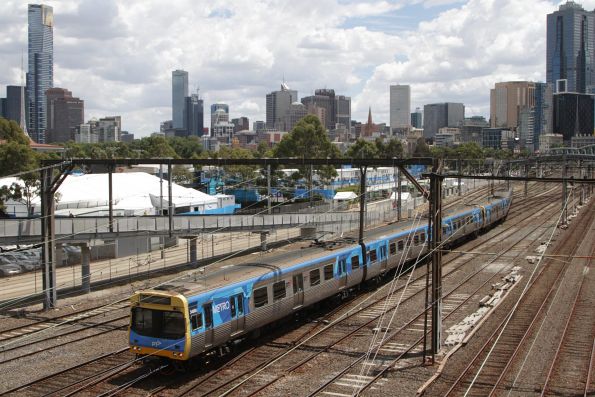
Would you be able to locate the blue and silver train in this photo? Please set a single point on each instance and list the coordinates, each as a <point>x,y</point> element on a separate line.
<point>194,315</point>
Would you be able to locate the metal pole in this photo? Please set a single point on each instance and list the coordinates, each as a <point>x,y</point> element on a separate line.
<point>86,268</point>
<point>170,204</point>
<point>564,193</point>
<point>362,204</point>
<point>460,171</point>
<point>111,199</point>
<point>269,189</point>
<point>47,234</point>
<point>160,189</point>
<point>526,182</point>
<point>436,216</point>
<point>399,202</point>
<point>311,185</point>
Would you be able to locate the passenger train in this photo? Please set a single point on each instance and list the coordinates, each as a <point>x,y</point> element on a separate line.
<point>196,314</point>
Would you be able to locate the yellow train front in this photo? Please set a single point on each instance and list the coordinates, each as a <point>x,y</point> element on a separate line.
<point>159,325</point>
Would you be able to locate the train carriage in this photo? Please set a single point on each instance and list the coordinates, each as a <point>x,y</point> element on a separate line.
<point>196,314</point>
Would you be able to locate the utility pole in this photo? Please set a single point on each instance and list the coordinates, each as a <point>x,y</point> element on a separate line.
<point>362,204</point>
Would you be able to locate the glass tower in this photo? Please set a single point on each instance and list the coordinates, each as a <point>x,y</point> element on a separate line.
<point>179,91</point>
<point>40,76</point>
<point>570,52</point>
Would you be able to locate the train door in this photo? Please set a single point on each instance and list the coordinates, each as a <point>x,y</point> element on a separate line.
<point>342,271</point>
<point>209,331</point>
<point>236,306</point>
<point>298,290</point>
<point>383,259</point>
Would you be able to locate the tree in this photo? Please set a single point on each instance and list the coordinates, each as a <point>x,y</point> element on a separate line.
<point>245,172</point>
<point>11,132</point>
<point>16,157</point>
<point>181,175</point>
<point>308,139</point>
<point>186,147</point>
<point>362,149</point>
<point>421,148</point>
<point>393,148</point>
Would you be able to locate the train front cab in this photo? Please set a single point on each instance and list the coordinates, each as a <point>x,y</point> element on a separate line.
<point>159,325</point>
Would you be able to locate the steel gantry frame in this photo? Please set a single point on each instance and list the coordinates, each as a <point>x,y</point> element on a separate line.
<point>50,184</point>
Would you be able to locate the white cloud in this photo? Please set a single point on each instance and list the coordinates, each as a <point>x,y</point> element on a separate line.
<point>118,56</point>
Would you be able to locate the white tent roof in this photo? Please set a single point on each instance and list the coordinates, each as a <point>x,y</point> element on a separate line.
<point>345,196</point>
<point>404,196</point>
<point>131,191</point>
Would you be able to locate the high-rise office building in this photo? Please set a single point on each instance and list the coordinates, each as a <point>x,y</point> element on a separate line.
<point>193,116</point>
<point>297,111</point>
<point>573,115</point>
<point>277,107</point>
<point>13,103</point>
<point>40,77</point>
<point>400,106</point>
<point>179,91</point>
<point>438,115</point>
<point>325,99</point>
<point>417,119</point>
<point>343,110</point>
<point>570,47</point>
<point>543,112</point>
<point>507,99</point>
<point>64,114</point>
<point>259,126</point>
<point>240,124</point>
<point>219,114</point>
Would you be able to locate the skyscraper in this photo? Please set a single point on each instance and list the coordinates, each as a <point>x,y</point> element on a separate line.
<point>507,99</point>
<point>193,116</point>
<point>570,52</point>
<point>400,106</point>
<point>219,114</point>
<point>343,110</point>
<point>438,115</point>
<point>278,104</point>
<point>417,119</point>
<point>179,91</point>
<point>64,114</point>
<point>40,77</point>
<point>325,99</point>
<point>13,103</point>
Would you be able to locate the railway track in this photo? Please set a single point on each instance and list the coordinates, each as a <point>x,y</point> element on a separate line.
<point>144,375</point>
<point>390,353</point>
<point>300,362</point>
<point>573,361</point>
<point>498,353</point>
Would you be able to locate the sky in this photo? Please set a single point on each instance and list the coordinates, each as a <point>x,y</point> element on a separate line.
<point>118,55</point>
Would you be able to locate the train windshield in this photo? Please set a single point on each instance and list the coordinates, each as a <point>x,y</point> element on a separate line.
<point>158,323</point>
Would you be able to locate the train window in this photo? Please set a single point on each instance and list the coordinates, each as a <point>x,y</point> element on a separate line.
<point>393,248</point>
<point>261,297</point>
<point>373,256</point>
<point>298,283</point>
<point>328,272</point>
<point>279,290</point>
<point>314,277</point>
<point>208,309</point>
<point>422,237</point>
<point>240,304</point>
<point>232,306</point>
<point>354,262</point>
<point>196,320</point>
<point>401,245</point>
<point>342,266</point>
<point>444,231</point>
<point>416,239</point>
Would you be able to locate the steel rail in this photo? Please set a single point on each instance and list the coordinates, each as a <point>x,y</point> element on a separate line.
<point>491,338</point>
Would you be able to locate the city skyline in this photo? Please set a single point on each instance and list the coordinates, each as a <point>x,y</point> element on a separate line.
<point>444,49</point>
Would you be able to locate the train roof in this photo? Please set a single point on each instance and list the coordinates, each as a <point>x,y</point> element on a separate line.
<point>261,265</point>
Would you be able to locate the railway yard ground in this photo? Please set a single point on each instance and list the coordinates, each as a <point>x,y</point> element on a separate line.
<point>515,323</point>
